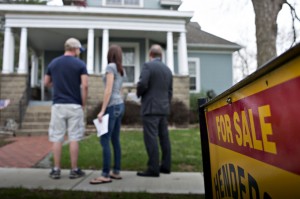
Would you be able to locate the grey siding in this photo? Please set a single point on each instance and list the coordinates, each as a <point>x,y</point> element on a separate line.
<point>94,2</point>
<point>215,70</point>
<point>152,4</point>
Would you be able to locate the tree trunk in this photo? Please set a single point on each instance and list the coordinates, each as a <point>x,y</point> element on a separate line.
<point>266,12</point>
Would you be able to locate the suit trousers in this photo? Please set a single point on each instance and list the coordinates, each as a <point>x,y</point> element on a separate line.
<point>156,128</point>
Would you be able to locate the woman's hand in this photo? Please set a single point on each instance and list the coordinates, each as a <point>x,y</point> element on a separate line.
<point>100,115</point>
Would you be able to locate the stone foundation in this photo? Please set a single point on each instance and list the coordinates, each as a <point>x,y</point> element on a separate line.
<point>181,92</point>
<point>95,95</point>
<point>181,89</point>
<point>12,87</point>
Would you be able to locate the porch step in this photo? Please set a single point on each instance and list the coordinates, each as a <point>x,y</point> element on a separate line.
<point>36,119</point>
<point>32,132</point>
<point>35,125</point>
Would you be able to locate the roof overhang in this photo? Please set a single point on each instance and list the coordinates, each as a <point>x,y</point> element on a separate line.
<point>104,11</point>
<point>50,25</point>
<point>214,47</point>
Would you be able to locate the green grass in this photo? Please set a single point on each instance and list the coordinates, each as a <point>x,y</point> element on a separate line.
<point>57,194</point>
<point>186,156</point>
<point>185,144</point>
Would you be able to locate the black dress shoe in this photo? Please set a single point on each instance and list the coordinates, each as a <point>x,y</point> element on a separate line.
<point>147,174</point>
<point>165,171</point>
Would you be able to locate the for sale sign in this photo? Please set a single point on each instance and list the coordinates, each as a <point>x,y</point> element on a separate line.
<point>254,137</point>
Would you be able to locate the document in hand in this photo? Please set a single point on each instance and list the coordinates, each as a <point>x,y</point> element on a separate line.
<point>102,127</point>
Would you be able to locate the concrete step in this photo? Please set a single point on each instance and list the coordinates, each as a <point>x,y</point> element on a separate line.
<point>37,114</point>
<point>37,119</point>
<point>31,132</point>
<point>35,125</point>
<point>39,109</point>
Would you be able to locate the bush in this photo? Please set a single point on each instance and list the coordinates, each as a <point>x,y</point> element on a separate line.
<point>193,112</point>
<point>92,113</point>
<point>179,114</point>
<point>132,114</point>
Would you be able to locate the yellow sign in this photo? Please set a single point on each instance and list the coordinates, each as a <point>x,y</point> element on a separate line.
<point>254,137</point>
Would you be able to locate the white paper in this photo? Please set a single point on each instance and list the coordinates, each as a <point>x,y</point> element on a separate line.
<point>102,127</point>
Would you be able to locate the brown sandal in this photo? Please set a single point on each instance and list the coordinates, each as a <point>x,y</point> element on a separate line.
<point>115,176</point>
<point>100,180</point>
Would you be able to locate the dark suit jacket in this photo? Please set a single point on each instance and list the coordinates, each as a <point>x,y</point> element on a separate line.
<point>155,87</point>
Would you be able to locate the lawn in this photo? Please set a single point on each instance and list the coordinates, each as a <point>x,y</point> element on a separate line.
<point>58,194</point>
<point>186,156</point>
<point>185,144</point>
<point>4,141</point>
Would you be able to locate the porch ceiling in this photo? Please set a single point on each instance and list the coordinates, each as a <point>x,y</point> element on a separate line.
<point>41,39</point>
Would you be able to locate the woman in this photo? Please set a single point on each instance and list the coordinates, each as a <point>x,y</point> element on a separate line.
<point>113,105</point>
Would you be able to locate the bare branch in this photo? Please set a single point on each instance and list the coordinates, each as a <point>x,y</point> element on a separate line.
<point>294,17</point>
<point>293,11</point>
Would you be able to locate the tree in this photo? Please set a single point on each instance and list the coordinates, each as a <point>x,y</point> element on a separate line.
<point>266,12</point>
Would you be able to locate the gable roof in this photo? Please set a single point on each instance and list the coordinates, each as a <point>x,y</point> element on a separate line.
<point>199,39</point>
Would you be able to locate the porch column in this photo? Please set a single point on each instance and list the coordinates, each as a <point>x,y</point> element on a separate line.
<point>6,63</point>
<point>23,52</point>
<point>34,70</point>
<point>12,52</point>
<point>90,52</point>
<point>105,43</point>
<point>170,54</point>
<point>97,55</point>
<point>182,55</point>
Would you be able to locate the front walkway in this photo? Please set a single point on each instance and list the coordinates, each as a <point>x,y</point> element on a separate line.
<point>24,151</point>
<point>174,183</point>
<point>18,158</point>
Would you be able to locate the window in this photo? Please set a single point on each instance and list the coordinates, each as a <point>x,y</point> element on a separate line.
<point>130,3</point>
<point>130,61</point>
<point>194,73</point>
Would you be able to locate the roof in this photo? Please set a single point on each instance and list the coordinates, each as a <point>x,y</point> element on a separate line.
<point>197,38</point>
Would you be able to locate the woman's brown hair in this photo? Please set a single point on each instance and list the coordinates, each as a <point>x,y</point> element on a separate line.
<point>114,55</point>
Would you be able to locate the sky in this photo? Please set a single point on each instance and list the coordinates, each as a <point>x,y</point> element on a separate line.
<point>233,20</point>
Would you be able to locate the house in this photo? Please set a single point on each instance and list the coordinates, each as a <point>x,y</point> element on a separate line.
<point>199,61</point>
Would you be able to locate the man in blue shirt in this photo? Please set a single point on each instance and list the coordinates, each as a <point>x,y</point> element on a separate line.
<point>67,74</point>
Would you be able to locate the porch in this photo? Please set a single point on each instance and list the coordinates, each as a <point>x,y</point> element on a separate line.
<point>42,31</point>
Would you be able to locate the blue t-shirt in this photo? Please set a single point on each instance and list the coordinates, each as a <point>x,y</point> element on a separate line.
<point>65,73</point>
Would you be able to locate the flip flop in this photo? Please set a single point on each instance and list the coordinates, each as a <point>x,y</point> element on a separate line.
<point>99,181</point>
<point>115,176</point>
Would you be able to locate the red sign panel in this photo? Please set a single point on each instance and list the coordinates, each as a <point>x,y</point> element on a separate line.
<point>264,126</point>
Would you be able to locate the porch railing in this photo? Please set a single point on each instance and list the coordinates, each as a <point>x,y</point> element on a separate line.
<point>23,103</point>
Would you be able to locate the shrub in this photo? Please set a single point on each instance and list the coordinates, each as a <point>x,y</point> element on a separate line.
<point>179,114</point>
<point>92,113</point>
<point>193,112</point>
<point>132,114</point>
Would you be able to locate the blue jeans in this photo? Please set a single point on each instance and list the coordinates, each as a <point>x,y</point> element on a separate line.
<point>116,113</point>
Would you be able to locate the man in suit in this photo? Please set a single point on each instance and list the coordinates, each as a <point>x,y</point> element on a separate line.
<point>155,88</point>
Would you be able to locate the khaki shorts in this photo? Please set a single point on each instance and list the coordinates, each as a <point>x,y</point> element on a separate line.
<point>66,117</point>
